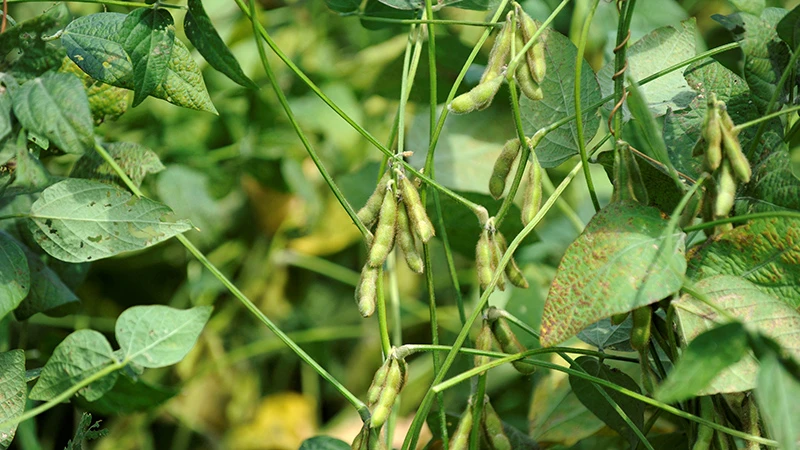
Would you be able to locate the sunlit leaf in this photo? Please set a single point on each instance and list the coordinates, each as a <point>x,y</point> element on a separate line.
<point>13,392</point>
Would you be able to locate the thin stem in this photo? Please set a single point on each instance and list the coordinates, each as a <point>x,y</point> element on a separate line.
<point>471,23</point>
<point>14,216</point>
<point>766,118</point>
<point>587,173</point>
<point>702,297</point>
<point>320,266</point>
<point>743,218</point>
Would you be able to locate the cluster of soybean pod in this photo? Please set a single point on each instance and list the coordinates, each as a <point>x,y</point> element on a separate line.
<point>398,216</point>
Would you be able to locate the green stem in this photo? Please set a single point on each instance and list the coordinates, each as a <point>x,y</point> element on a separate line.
<point>578,118</point>
<point>320,266</point>
<point>702,297</point>
<point>14,216</point>
<point>620,59</point>
<point>766,118</point>
<point>743,218</point>
<point>471,23</point>
<point>523,159</point>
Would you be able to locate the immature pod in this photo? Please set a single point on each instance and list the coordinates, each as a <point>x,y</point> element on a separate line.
<point>496,255</point>
<point>529,87</point>
<point>727,122</point>
<point>382,407</point>
<point>367,290</point>
<point>378,382</point>
<point>712,133</point>
<point>733,151</point>
<point>513,271</point>
<point>617,319</point>
<point>483,342</point>
<point>479,97</point>
<point>498,58</point>
<point>532,199</point>
<point>691,211</point>
<point>405,238</point>
<point>417,216</point>
<point>535,55</point>
<point>510,344</point>
<point>460,439</point>
<point>361,441</point>
<point>369,212</point>
<point>492,427</point>
<point>640,333</point>
<point>483,260</point>
<point>384,232</point>
<point>726,191</point>
<point>502,167</point>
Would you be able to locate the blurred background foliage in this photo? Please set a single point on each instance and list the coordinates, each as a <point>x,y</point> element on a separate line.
<point>266,217</point>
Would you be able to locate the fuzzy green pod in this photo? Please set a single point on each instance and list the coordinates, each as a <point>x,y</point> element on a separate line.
<point>510,344</point>
<point>726,191</point>
<point>640,333</point>
<point>535,55</point>
<point>496,255</point>
<point>378,382</point>
<point>385,230</point>
<point>532,198</point>
<point>483,260</point>
<point>502,167</point>
<point>712,133</point>
<point>367,290</point>
<point>498,58</point>
<point>369,212</point>
<point>417,216</point>
<point>460,439</point>
<point>479,97</point>
<point>382,407</point>
<point>493,429</point>
<point>483,342</point>
<point>733,151</point>
<point>529,87</point>
<point>405,238</point>
<point>617,319</point>
<point>361,441</point>
<point>690,212</point>
<point>512,270</point>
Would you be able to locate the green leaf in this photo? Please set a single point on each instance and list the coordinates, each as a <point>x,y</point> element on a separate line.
<point>658,50</point>
<point>747,304</point>
<point>755,7</point>
<point>777,392</point>
<point>324,443</point>
<point>55,105</point>
<point>556,414</point>
<point>706,356</point>
<point>559,102</point>
<point>13,392</point>
<point>15,278</point>
<point>128,396</point>
<point>94,43</point>
<point>48,293</point>
<point>148,36</point>
<point>79,356</point>
<point>23,52</point>
<point>788,28</point>
<point>374,8</point>
<point>86,431</point>
<point>135,159</point>
<point>159,336</point>
<point>31,176</point>
<point>764,251</point>
<point>774,187</point>
<point>80,220</point>
<point>588,394</point>
<point>621,261</point>
<point>105,101</point>
<point>765,55</point>
<point>5,110</point>
<point>201,33</point>
<point>606,336</point>
<point>340,6</point>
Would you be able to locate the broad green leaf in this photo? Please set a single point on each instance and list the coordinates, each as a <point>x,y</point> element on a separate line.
<point>5,111</point>
<point>748,305</point>
<point>705,357</point>
<point>79,220</point>
<point>48,293</point>
<point>589,395</point>
<point>23,52</point>
<point>201,33</point>
<point>788,28</point>
<point>79,356</point>
<point>765,252</point>
<point>606,336</point>
<point>128,396</point>
<point>374,8</point>
<point>658,50</point>
<point>31,176</point>
<point>556,414</point>
<point>324,443</point>
<point>755,7</point>
<point>559,102</point>
<point>621,261</point>
<point>106,102</point>
<point>135,159</point>
<point>340,6</point>
<point>765,55</point>
<point>95,44</point>
<point>159,336</point>
<point>777,393</point>
<point>12,390</point>
<point>774,187</point>
<point>55,105</point>
<point>148,36</point>
<point>15,278</point>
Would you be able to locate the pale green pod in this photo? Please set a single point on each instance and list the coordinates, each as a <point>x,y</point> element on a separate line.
<point>483,260</point>
<point>483,342</point>
<point>361,441</point>
<point>727,122</point>
<point>391,389</point>
<point>385,230</point>
<point>690,212</point>
<point>712,133</point>
<point>460,439</point>
<point>529,87</point>
<point>498,58</point>
<point>369,212</point>
<point>367,290</point>
<point>617,319</point>
<point>484,93</point>
<point>462,104</point>
<point>733,151</point>
<point>405,239</point>
<point>532,198</point>
<point>726,191</point>
<point>378,383</point>
<point>493,428</point>
<point>512,270</point>
<point>417,215</point>
<point>502,167</point>
<point>640,333</point>
<point>496,255</point>
<point>510,344</point>
<point>535,56</point>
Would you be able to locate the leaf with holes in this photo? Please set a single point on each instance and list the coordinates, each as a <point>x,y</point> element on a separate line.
<point>158,336</point>
<point>135,159</point>
<point>621,261</point>
<point>80,220</point>
<point>749,305</point>
<point>13,392</point>
<point>79,356</point>
<point>148,36</point>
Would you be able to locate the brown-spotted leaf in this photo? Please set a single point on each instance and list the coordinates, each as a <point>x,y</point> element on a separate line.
<point>750,305</point>
<point>624,259</point>
<point>764,252</point>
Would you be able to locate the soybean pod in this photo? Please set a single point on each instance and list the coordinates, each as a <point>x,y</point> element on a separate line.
<point>726,191</point>
<point>493,428</point>
<point>367,290</point>
<point>405,238</point>
<point>512,270</point>
<point>483,342</point>
<point>532,199</point>
<point>510,344</point>
<point>369,212</point>
<point>483,260</point>
<point>640,333</point>
<point>535,56</point>
<point>395,378</point>
<point>712,133</point>
<point>460,439</point>
<point>498,57</point>
<point>502,167</point>
<point>417,216</point>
